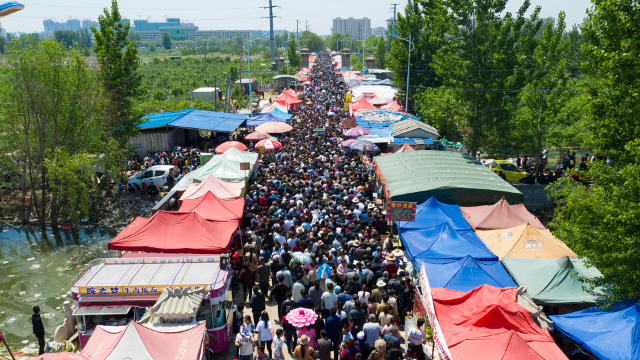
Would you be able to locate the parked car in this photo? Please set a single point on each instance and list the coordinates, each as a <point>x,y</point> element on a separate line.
<point>157,174</point>
<point>511,172</point>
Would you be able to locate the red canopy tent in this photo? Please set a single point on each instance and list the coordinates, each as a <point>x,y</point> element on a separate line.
<point>406,147</point>
<point>137,342</point>
<point>505,346</point>
<point>220,188</point>
<point>289,97</point>
<point>371,98</point>
<point>228,145</point>
<point>395,105</point>
<point>487,311</point>
<point>177,232</point>
<point>212,207</point>
<point>500,215</point>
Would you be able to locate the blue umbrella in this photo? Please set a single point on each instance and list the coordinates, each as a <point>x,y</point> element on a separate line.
<point>301,258</point>
<point>9,8</point>
<point>364,146</point>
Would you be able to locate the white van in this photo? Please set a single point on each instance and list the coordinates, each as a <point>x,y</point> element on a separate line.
<point>157,174</point>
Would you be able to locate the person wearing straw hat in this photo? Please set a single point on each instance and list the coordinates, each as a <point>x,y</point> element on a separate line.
<point>378,350</point>
<point>391,266</point>
<point>303,350</point>
<point>378,293</point>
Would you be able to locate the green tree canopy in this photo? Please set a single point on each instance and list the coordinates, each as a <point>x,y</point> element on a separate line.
<point>166,40</point>
<point>313,42</point>
<point>380,53</point>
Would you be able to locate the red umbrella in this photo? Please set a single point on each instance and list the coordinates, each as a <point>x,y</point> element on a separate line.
<point>257,135</point>
<point>274,127</point>
<point>228,145</point>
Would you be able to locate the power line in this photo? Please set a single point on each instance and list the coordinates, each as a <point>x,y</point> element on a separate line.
<point>132,8</point>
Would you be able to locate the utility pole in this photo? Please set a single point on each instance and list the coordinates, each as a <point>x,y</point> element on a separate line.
<point>394,17</point>
<point>215,89</point>
<point>306,25</point>
<point>205,58</point>
<point>271,38</point>
<point>297,37</point>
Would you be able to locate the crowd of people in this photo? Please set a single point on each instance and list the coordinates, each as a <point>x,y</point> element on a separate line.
<point>314,237</point>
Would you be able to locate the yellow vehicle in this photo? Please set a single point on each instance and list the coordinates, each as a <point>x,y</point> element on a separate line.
<point>511,172</point>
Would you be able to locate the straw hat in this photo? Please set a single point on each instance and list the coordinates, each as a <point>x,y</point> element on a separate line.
<point>381,283</point>
<point>391,257</point>
<point>304,340</point>
<point>398,253</point>
<point>355,243</point>
<point>380,345</point>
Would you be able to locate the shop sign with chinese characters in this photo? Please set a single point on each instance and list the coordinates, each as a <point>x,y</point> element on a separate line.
<point>401,211</point>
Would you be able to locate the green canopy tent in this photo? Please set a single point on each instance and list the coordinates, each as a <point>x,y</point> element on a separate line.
<point>234,154</point>
<point>554,281</point>
<point>450,177</point>
<point>223,169</point>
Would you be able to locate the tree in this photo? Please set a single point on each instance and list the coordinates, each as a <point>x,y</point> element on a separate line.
<point>313,42</point>
<point>543,96</point>
<point>294,56</point>
<point>134,37</point>
<point>380,53</point>
<point>573,52</point>
<point>601,225</point>
<point>441,109</point>
<point>418,21</point>
<point>166,40</point>
<point>66,37</point>
<point>52,124</point>
<point>477,44</point>
<point>152,48</point>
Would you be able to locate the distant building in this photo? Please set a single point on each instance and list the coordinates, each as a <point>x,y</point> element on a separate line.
<point>379,31</point>
<point>358,29</point>
<point>51,26</point>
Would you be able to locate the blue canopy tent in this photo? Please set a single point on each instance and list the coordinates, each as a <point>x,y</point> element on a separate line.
<point>609,335</point>
<point>433,213</point>
<point>194,119</point>
<point>281,114</point>
<point>262,118</point>
<point>442,244</point>
<point>466,274</point>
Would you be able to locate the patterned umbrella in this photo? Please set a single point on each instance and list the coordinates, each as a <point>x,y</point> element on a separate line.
<point>364,146</point>
<point>269,145</point>
<point>228,145</point>
<point>356,131</point>
<point>301,317</point>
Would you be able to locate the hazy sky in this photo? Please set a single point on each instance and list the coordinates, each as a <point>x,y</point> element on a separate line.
<point>247,14</point>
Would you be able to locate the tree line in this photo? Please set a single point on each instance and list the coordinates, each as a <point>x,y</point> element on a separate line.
<point>514,84</point>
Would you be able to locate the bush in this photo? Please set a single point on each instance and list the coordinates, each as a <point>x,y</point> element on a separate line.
<point>159,94</point>
<point>152,48</point>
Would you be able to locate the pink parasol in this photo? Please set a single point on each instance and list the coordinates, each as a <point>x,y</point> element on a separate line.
<point>257,135</point>
<point>346,143</point>
<point>301,317</point>
<point>274,127</point>
<point>228,145</point>
<point>268,144</point>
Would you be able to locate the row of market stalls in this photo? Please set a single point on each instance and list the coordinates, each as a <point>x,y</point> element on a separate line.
<point>486,271</point>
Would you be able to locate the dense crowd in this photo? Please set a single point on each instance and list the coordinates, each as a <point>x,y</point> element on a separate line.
<point>313,237</point>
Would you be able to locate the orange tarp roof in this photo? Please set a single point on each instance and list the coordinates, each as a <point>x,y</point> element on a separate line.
<point>524,241</point>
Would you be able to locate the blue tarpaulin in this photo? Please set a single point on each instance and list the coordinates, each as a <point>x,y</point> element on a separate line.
<point>466,274</point>
<point>397,140</point>
<point>262,118</point>
<point>442,243</point>
<point>195,119</point>
<point>609,335</point>
<point>281,114</point>
<point>433,213</point>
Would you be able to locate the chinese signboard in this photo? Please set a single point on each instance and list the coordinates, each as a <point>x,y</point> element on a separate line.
<point>262,149</point>
<point>346,106</point>
<point>163,260</point>
<point>427,302</point>
<point>401,211</point>
<point>265,87</point>
<point>349,123</point>
<point>347,97</point>
<point>205,157</point>
<point>245,166</point>
<point>132,290</point>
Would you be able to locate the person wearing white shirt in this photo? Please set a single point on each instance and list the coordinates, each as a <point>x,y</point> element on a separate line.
<point>287,224</point>
<point>329,298</point>
<point>265,331</point>
<point>291,242</point>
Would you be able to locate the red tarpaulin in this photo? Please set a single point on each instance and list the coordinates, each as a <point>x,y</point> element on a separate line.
<point>289,97</point>
<point>487,311</point>
<point>500,215</point>
<point>362,104</point>
<point>393,106</point>
<point>505,346</point>
<point>211,207</point>
<point>220,188</point>
<point>173,231</point>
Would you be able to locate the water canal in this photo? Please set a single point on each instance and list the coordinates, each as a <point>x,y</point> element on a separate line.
<point>36,268</point>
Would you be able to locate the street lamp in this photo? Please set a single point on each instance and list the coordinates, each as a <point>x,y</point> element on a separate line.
<point>249,61</point>
<point>406,104</point>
